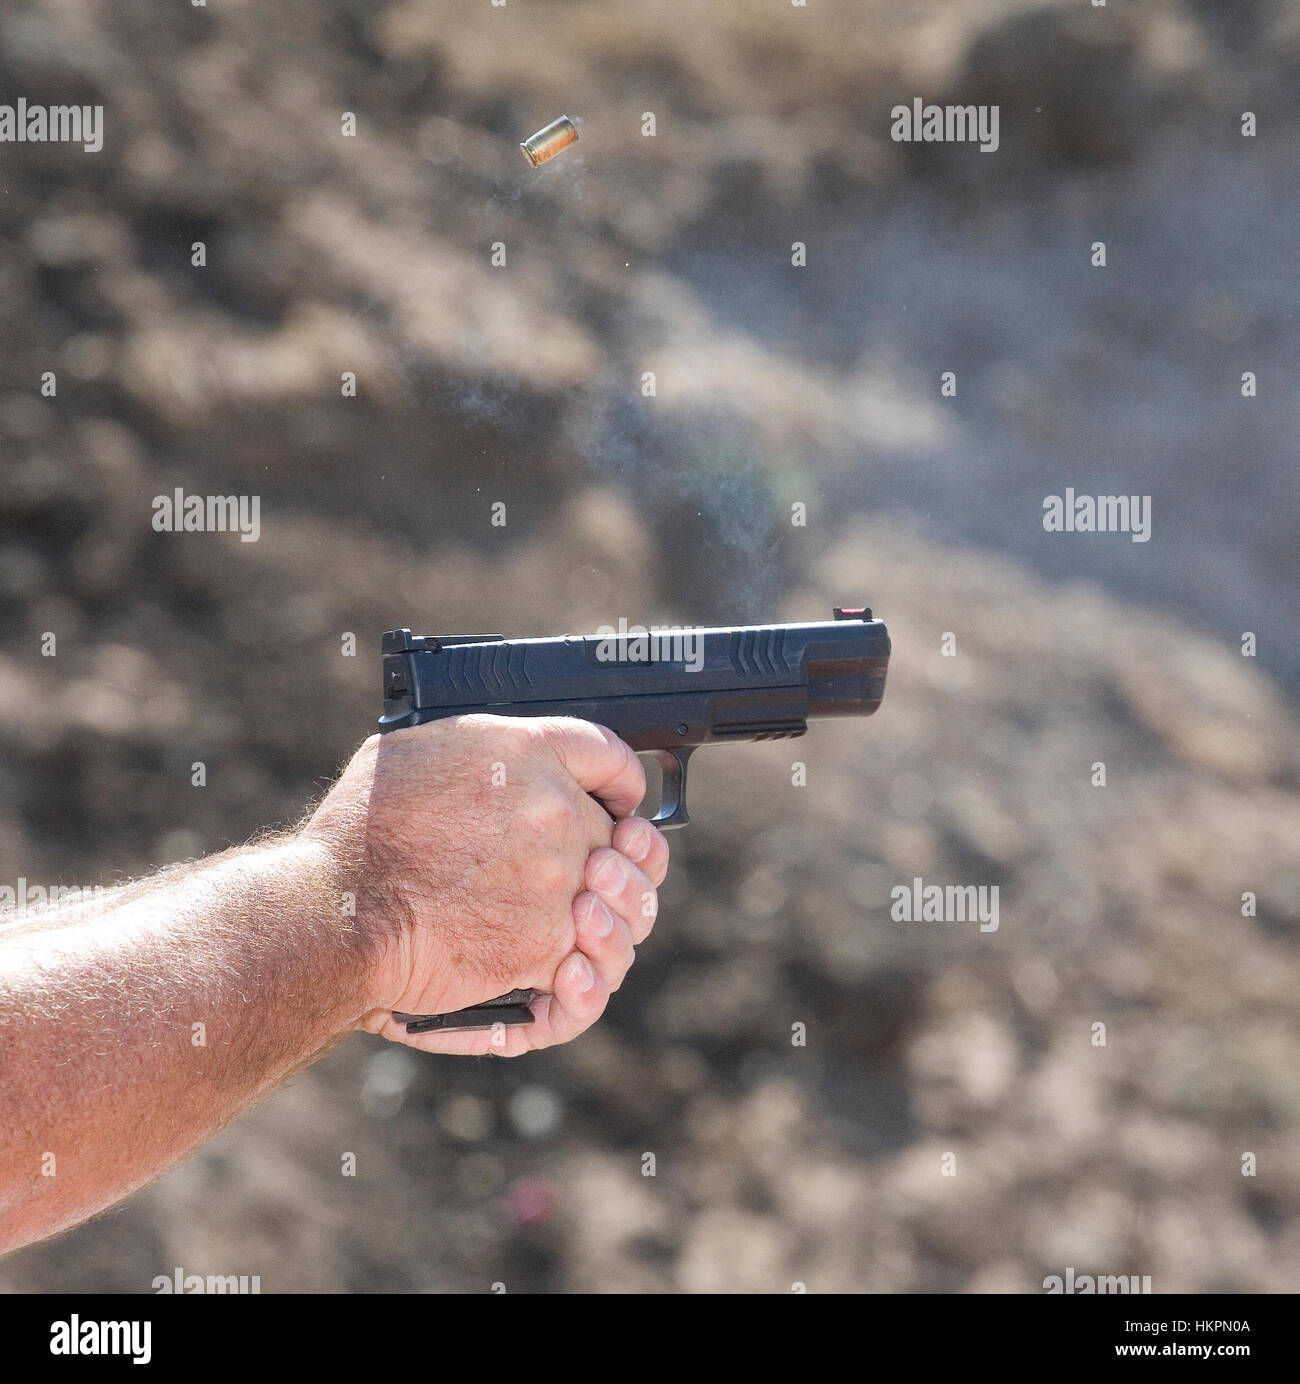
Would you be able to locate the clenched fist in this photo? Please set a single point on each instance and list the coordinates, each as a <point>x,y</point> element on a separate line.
<point>489,854</point>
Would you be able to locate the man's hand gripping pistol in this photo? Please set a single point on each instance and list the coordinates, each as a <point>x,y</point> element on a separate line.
<point>663,692</point>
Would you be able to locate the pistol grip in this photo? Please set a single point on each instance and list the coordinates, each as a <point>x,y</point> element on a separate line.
<point>510,1010</point>
<point>672,799</point>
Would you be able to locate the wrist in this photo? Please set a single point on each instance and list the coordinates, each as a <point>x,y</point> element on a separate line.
<point>356,916</point>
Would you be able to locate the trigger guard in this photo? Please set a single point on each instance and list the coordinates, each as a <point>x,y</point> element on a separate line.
<point>672,801</point>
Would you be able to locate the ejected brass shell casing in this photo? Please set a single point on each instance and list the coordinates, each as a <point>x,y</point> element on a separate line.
<point>545,144</point>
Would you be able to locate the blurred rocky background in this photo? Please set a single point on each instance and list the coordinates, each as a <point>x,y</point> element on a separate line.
<point>774,1164</point>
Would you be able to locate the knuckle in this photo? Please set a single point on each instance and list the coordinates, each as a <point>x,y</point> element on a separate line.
<point>649,840</point>
<point>527,739</point>
<point>534,730</point>
<point>588,912</point>
<point>608,871</point>
<point>634,836</point>
<point>544,732</point>
<point>554,812</point>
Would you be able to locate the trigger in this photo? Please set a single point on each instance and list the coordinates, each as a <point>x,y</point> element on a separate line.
<point>672,800</point>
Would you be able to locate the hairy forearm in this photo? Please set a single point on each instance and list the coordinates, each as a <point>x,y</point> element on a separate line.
<point>131,1032</point>
<point>477,855</point>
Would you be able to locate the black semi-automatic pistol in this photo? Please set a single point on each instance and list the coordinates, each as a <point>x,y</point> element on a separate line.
<point>663,691</point>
